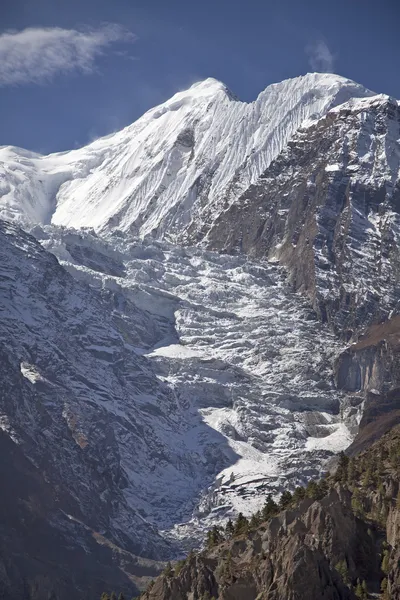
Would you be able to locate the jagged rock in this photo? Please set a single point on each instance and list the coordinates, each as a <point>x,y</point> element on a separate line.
<point>44,551</point>
<point>327,208</point>
<point>316,549</point>
<point>292,557</point>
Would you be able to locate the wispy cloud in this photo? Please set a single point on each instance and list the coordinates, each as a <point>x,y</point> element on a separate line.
<point>35,55</point>
<point>320,57</point>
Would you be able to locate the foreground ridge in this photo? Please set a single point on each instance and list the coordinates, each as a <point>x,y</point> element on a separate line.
<point>336,539</point>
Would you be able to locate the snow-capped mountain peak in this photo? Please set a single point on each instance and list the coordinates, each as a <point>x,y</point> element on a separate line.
<point>174,168</point>
<point>209,86</point>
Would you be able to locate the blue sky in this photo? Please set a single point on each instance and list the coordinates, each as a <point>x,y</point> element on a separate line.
<point>73,70</point>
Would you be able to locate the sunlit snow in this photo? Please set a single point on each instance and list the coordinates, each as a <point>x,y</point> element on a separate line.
<point>176,165</point>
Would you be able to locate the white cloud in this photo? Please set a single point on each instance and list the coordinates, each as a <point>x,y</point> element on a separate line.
<point>320,57</point>
<point>35,55</point>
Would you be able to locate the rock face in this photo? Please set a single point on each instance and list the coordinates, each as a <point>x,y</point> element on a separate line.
<point>292,557</point>
<point>71,388</point>
<point>44,551</point>
<point>327,209</point>
<point>341,546</point>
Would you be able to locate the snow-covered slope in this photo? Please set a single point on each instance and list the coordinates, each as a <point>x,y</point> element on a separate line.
<point>248,366</point>
<point>173,372</point>
<point>178,165</point>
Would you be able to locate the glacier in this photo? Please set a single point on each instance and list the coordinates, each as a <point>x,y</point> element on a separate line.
<point>248,365</point>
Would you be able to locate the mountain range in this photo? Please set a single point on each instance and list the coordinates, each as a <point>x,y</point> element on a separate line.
<point>198,310</point>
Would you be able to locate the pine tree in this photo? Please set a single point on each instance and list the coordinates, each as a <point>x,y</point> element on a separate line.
<point>341,472</point>
<point>359,591</point>
<point>168,570</point>
<point>113,596</point>
<point>241,525</point>
<point>214,537</point>
<point>312,490</point>
<point>351,472</point>
<point>179,566</point>
<point>364,589</point>
<point>121,596</point>
<point>285,500</point>
<point>229,529</point>
<point>299,494</point>
<point>343,571</point>
<point>384,588</point>
<point>105,596</point>
<point>270,508</point>
<point>255,520</point>
<point>385,561</point>
<point>356,502</point>
<point>381,463</point>
<point>323,489</point>
<point>367,479</point>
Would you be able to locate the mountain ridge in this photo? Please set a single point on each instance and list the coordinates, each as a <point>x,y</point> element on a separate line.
<point>133,181</point>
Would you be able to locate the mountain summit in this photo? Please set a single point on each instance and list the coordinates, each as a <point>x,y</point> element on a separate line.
<point>189,156</point>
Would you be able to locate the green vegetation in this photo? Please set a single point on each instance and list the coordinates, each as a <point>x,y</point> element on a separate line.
<point>113,596</point>
<point>385,561</point>
<point>241,524</point>
<point>299,494</point>
<point>361,590</point>
<point>285,500</point>
<point>270,508</point>
<point>229,529</point>
<point>179,566</point>
<point>384,589</point>
<point>343,467</point>
<point>168,571</point>
<point>342,569</point>
<point>214,537</point>
<point>255,521</point>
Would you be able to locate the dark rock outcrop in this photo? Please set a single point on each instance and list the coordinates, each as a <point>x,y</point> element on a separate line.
<point>46,553</point>
<point>292,557</point>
